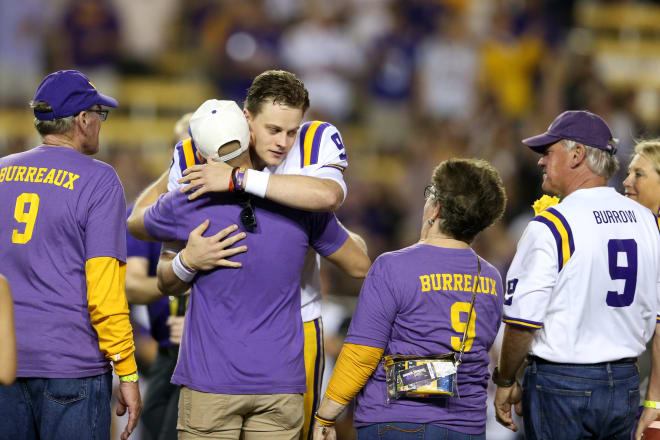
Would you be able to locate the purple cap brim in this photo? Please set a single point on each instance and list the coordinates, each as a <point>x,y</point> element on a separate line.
<point>540,141</point>
<point>107,101</point>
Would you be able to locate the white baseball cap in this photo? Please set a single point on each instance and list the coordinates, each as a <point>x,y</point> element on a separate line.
<point>216,123</point>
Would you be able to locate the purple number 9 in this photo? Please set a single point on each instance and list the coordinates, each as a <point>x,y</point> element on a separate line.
<point>340,146</point>
<point>627,273</point>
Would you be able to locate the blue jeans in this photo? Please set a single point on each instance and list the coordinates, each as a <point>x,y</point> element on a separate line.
<point>33,408</point>
<point>410,431</point>
<point>570,401</point>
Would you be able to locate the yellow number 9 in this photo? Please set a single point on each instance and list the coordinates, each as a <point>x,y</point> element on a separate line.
<point>25,217</point>
<point>459,326</point>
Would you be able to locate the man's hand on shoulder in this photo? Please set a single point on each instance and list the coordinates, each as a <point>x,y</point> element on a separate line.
<point>206,253</point>
<point>209,177</point>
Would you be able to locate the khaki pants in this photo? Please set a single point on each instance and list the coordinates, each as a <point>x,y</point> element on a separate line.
<point>239,416</point>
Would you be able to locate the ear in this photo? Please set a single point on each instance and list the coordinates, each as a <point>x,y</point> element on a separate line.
<point>436,211</point>
<point>247,114</point>
<point>201,158</point>
<point>577,155</point>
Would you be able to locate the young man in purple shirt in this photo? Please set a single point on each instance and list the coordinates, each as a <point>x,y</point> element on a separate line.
<point>64,255</point>
<point>241,356</point>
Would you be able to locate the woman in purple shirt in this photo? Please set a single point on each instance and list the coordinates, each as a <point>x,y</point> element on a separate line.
<point>417,301</point>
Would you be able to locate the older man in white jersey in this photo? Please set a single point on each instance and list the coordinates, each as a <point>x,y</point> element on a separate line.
<point>582,294</point>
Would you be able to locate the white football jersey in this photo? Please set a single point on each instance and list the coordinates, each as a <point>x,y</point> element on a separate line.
<point>318,151</point>
<point>586,274</point>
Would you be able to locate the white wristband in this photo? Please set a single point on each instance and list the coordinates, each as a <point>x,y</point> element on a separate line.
<point>181,271</point>
<point>257,183</point>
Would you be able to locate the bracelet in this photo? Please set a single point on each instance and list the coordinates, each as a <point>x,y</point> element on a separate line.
<point>324,421</point>
<point>183,272</point>
<point>257,183</point>
<point>239,182</point>
<point>129,378</point>
<point>500,382</point>
<point>232,180</point>
<point>651,404</point>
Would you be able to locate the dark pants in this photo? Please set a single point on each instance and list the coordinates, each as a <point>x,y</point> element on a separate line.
<point>79,409</point>
<point>411,431</point>
<point>570,401</point>
<point>161,401</point>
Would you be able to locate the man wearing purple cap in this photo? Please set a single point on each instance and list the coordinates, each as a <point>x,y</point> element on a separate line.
<point>64,255</point>
<point>582,294</point>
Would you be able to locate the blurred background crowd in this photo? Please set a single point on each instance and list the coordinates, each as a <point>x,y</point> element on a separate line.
<point>407,82</point>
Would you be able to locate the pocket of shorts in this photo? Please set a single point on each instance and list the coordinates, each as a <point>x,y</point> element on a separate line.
<point>290,412</point>
<point>65,391</point>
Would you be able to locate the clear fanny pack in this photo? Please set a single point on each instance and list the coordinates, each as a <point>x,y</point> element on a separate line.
<point>409,376</point>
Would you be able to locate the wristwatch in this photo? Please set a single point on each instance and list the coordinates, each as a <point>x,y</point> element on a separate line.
<point>500,382</point>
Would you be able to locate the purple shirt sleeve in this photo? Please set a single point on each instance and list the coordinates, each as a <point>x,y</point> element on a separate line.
<point>160,220</point>
<point>105,228</point>
<point>376,310</point>
<point>326,234</point>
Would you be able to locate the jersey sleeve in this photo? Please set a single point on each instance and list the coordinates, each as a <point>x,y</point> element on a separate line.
<point>531,277</point>
<point>376,310</point>
<point>322,152</point>
<point>184,157</point>
<point>105,225</point>
<point>326,234</point>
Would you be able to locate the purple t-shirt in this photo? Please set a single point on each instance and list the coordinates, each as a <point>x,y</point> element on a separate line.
<point>415,301</point>
<point>243,332</point>
<point>61,208</point>
<point>159,310</point>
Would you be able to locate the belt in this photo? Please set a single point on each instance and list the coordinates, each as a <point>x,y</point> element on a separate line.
<point>538,360</point>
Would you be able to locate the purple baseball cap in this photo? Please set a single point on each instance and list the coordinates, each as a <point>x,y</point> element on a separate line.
<point>68,92</point>
<point>576,125</point>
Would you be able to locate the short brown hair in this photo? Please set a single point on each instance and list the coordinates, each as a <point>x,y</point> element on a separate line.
<point>471,196</point>
<point>278,86</point>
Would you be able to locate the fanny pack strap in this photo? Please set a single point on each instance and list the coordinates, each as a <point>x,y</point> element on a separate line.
<point>467,325</point>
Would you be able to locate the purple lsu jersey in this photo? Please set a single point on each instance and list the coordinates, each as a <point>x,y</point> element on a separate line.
<point>415,301</point>
<point>243,333</point>
<point>61,209</point>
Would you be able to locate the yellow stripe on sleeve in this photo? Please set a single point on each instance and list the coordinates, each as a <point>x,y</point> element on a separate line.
<point>354,367</point>
<point>108,312</point>
<point>524,324</point>
<point>188,152</point>
<point>309,141</point>
<point>566,249</point>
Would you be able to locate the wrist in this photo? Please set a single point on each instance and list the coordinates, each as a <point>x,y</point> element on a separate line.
<point>324,421</point>
<point>652,404</point>
<point>185,262</point>
<point>257,183</point>
<point>182,271</point>
<point>501,381</point>
<point>129,378</point>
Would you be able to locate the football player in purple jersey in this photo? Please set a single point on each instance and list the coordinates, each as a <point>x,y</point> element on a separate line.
<point>64,254</point>
<point>416,301</point>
